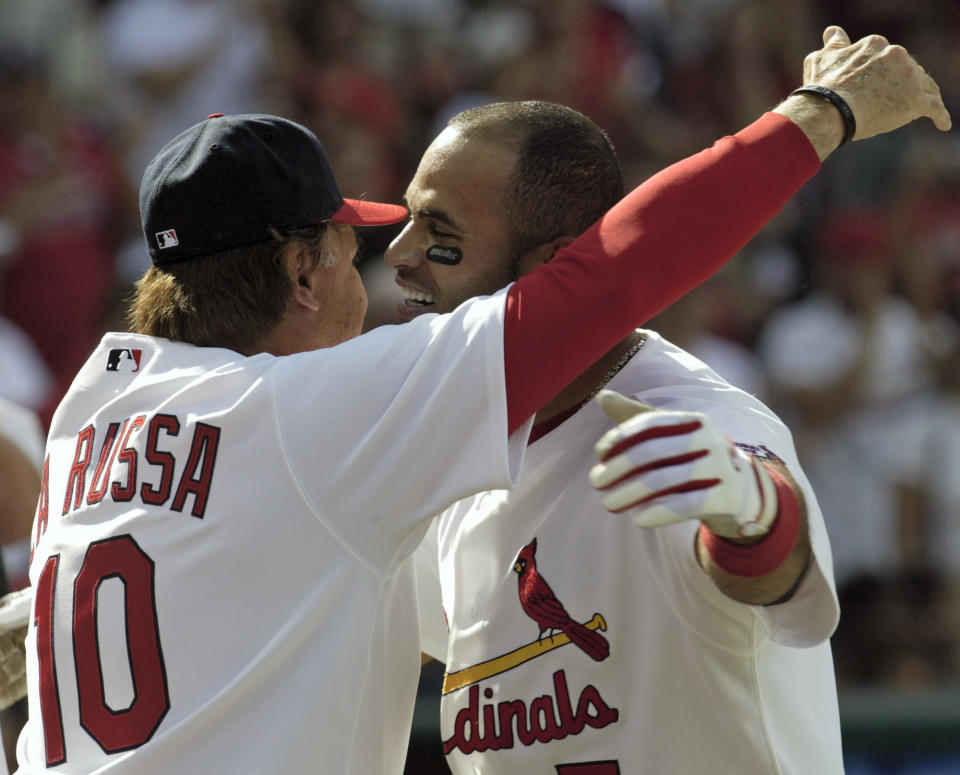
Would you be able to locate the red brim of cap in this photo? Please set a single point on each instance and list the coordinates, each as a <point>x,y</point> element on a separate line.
<point>359,212</point>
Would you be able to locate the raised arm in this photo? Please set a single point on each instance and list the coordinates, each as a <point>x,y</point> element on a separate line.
<point>680,226</point>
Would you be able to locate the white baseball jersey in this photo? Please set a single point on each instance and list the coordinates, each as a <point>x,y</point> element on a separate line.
<point>219,565</point>
<point>693,682</point>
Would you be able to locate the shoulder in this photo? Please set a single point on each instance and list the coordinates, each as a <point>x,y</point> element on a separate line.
<point>666,376</point>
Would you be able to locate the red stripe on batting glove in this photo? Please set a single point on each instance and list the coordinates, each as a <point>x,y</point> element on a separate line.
<point>693,484</point>
<point>687,457</point>
<point>658,432</point>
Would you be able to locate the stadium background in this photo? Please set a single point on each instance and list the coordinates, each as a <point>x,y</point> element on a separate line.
<point>868,252</point>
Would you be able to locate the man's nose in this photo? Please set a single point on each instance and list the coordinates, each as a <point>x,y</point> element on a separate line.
<point>405,249</point>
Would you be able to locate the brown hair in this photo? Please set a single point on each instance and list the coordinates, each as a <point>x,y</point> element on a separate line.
<point>231,299</point>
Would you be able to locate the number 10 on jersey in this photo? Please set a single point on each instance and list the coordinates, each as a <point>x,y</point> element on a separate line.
<point>114,729</point>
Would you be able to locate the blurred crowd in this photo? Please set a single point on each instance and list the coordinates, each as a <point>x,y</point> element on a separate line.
<point>843,315</point>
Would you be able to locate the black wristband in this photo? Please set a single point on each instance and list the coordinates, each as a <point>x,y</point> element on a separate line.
<point>849,122</point>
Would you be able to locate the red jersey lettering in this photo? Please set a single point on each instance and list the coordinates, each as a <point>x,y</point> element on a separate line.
<point>101,477</point>
<point>43,505</point>
<point>203,455</point>
<point>549,717</point>
<point>157,496</point>
<point>76,481</point>
<point>128,455</point>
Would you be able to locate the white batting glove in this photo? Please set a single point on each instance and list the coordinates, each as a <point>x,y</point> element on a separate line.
<point>662,467</point>
<point>15,611</point>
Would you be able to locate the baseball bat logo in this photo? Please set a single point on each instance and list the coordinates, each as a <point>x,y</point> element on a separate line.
<point>540,604</point>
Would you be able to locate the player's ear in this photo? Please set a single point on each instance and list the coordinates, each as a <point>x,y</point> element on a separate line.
<point>541,254</point>
<point>305,279</point>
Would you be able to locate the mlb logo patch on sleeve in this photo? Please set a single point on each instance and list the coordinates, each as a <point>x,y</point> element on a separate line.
<point>760,452</point>
<point>124,360</point>
<point>167,239</point>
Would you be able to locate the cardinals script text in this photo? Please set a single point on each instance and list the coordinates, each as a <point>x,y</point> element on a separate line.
<point>496,726</point>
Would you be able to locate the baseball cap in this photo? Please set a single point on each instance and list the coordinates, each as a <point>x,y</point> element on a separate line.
<point>225,181</point>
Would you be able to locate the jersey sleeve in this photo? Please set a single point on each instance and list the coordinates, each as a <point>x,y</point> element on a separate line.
<point>810,616</point>
<point>663,239</point>
<point>388,429</point>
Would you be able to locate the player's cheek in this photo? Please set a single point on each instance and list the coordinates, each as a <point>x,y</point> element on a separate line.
<point>362,300</point>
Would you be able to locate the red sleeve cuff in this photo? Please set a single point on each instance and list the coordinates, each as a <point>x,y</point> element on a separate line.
<point>770,552</point>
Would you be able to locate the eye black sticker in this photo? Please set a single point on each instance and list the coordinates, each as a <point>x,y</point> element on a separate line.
<point>444,255</point>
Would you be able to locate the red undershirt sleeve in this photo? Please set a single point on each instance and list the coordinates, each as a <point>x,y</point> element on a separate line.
<point>662,240</point>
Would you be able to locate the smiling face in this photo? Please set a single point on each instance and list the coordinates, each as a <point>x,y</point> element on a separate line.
<point>456,200</point>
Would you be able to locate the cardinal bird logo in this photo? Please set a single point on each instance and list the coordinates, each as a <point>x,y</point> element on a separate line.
<point>541,605</point>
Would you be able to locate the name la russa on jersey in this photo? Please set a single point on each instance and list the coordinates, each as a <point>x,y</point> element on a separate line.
<point>154,468</point>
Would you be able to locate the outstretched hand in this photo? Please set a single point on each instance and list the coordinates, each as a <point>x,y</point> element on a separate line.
<point>660,467</point>
<point>882,83</point>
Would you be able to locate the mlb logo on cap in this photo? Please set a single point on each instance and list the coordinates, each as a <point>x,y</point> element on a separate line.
<point>124,360</point>
<point>167,239</point>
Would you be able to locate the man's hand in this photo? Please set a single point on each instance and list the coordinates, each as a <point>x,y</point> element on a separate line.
<point>883,85</point>
<point>668,466</point>
<point>15,609</point>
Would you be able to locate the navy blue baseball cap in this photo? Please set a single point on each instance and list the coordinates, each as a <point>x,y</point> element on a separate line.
<point>228,180</point>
